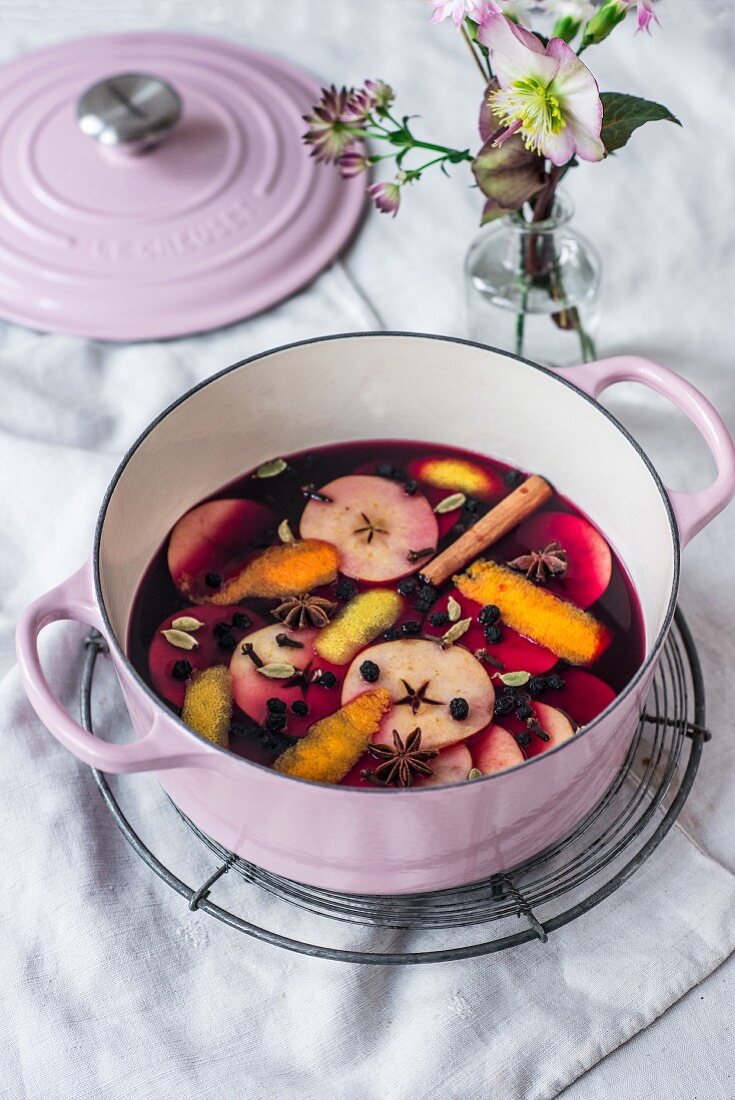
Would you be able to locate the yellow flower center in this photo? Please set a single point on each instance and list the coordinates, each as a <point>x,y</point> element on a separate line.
<point>530,106</point>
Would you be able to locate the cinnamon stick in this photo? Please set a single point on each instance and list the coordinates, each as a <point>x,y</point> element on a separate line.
<point>497,522</point>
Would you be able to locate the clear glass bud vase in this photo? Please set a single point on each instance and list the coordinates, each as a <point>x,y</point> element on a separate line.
<point>533,288</point>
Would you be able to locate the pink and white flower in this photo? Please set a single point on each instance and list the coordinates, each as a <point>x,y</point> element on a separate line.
<point>386,196</point>
<point>458,10</point>
<point>547,95</point>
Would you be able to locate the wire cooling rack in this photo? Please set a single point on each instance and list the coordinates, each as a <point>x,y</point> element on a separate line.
<point>546,892</point>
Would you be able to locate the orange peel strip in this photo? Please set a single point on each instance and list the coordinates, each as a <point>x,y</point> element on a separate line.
<point>335,743</point>
<point>208,705</point>
<point>364,617</point>
<point>544,618</point>
<point>456,474</point>
<point>292,569</point>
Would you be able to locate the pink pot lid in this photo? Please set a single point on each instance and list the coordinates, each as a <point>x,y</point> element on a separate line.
<point>225,217</point>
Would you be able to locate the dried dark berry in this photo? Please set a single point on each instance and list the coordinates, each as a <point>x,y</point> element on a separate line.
<point>310,459</point>
<point>513,478</point>
<point>523,697</point>
<point>411,628</point>
<point>212,580</point>
<point>459,709</point>
<point>555,682</point>
<point>345,589</point>
<point>276,706</point>
<point>275,723</point>
<point>300,708</point>
<point>524,711</point>
<point>459,528</point>
<point>385,469</point>
<point>493,634</point>
<point>523,738</point>
<point>181,670</point>
<point>391,634</point>
<point>489,614</point>
<point>327,680</point>
<point>563,664</point>
<point>369,672</point>
<point>227,642</point>
<point>241,621</point>
<point>276,741</point>
<point>471,505</point>
<point>221,629</point>
<point>438,618</point>
<point>428,595</point>
<point>503,706</point>
<point>507,690</point>
<point>537,684</point>
<point>411,488</point>
<point>407,586</point>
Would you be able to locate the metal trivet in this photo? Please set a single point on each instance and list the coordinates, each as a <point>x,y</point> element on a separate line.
<point>562,883</point>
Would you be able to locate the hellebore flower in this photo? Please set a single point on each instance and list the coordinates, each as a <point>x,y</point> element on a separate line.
<point>386,196</point>
<point>331,125</point>
<point>548,95</point>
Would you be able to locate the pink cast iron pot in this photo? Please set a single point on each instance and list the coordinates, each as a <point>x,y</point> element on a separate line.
<point>400,386</point>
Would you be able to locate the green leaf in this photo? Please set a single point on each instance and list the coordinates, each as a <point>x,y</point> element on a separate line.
<point>622,114</point>
<point>508,175</point>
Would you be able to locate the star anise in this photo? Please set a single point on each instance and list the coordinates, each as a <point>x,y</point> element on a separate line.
<point>296,612</point>
<point>539,565</point>
<point>401,763</point>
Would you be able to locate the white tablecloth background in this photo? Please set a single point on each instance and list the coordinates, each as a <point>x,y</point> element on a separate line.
<point>108,986</point>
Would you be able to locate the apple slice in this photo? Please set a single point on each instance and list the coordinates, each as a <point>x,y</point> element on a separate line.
<point>496,750</point>
<point>211,648</point>
<point>589,556</point>
<point>214,538</point>
<point>422,679</point>
<point>457,475</point>
<point>452,765</point>
<point>557,725</point>
<point>374,523</point>
<point>252,689</point>
<point>583,696</point>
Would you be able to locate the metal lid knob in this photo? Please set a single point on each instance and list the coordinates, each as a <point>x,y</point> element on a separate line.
<point>129,111</point>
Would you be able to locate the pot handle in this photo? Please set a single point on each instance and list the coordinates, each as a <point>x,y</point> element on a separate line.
<point>74,599</point>
<point>693,511</point>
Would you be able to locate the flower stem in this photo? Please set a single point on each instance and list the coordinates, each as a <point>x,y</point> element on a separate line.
<point>473,51</point>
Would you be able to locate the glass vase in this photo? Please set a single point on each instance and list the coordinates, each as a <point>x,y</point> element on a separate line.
<point>533,288</point>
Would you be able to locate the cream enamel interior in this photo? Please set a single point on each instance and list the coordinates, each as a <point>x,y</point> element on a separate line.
<point>402,387</point>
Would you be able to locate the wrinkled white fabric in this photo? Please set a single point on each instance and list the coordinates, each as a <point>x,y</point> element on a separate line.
<point>109,987</point>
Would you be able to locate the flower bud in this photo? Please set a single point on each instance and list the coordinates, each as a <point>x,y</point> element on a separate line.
<point>604,21</point>
<point>567,28</point>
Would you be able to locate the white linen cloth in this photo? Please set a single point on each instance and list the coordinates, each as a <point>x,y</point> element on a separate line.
<point>109,987</point>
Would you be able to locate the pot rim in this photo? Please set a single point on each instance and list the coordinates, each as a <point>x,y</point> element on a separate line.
<point>649,661</point>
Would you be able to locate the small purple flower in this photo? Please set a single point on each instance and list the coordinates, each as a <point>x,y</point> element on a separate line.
<point>353,161</point>
<point>376,95</point>
<point>386,196</point>
<point>332,124</point>
<point>646,15</point>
